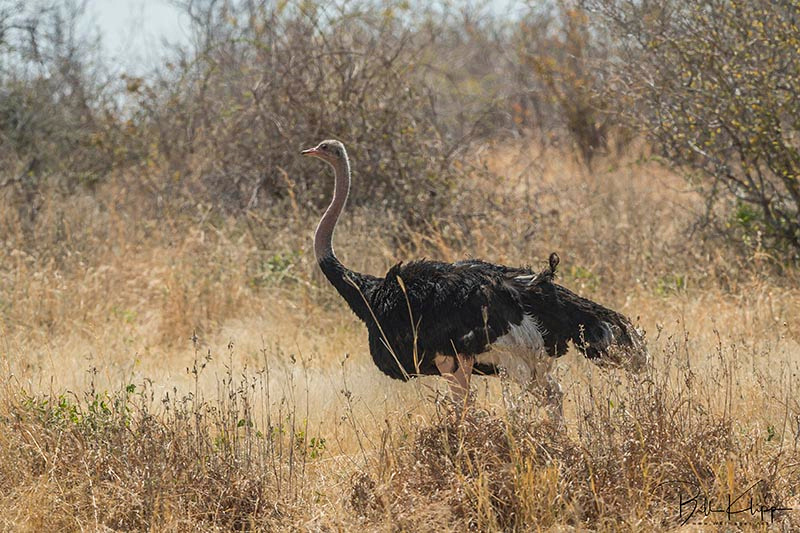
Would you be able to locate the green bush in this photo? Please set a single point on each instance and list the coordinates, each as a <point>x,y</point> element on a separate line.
<point>717,82</point>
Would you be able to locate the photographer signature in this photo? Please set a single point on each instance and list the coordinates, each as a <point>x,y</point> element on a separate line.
<point>697,501</point>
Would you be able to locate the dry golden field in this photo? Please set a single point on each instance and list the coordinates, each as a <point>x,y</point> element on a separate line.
<point>191,371</point>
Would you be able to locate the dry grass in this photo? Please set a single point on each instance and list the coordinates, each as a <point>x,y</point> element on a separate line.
<point>274,418</point>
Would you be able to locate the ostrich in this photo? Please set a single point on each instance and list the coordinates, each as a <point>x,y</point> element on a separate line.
<point>469,317</point>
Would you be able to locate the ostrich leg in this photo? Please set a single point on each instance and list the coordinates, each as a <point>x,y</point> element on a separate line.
<point>555,399</point>
<point>458,375</point>
<point>536,375</point>
<point>554,394</point>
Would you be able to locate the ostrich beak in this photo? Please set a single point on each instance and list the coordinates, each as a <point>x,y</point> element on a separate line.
<point>310,151</point>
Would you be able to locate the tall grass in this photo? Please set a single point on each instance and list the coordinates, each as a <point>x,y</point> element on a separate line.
<point>171,357</point>
<point>188,373</point>
<point>245,450</point>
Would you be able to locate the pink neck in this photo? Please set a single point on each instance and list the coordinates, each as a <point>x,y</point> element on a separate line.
<point>323,236</point>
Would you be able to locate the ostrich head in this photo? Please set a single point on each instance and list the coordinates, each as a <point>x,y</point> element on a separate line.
<point>330,151</point>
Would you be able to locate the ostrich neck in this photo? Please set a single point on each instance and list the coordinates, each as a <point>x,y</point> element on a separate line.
<point>355,288</point>
<point>323,237</point>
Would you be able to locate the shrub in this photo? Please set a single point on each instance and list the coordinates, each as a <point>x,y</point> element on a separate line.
<point>268,79</point>
<point>559,52</point>
<point>57,114</point>
<point>717,83</point>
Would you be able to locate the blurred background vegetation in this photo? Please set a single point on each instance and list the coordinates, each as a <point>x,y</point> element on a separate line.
<point>156,223</point>
<point>415,90</point>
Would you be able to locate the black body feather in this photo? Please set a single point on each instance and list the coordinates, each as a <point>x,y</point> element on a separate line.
<point>425,308</point>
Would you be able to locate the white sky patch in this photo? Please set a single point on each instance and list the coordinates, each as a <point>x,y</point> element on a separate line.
<point>134,32</point>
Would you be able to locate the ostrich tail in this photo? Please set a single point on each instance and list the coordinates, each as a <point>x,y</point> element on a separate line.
<point>622,346</point>
<point>548,274</point>
<point>606,337</point>
<point>553,261</point>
